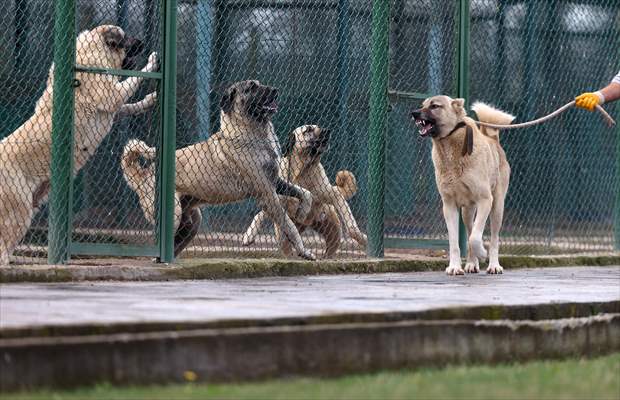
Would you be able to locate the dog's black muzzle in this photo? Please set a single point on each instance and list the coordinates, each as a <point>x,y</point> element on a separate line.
<point>321,144</point>
<point>265,103</point>
<point>133,48</point>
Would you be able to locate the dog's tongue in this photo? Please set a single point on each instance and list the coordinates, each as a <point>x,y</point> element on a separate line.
<point>425,128</point>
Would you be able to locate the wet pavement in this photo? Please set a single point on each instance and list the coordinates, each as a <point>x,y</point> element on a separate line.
<point>31,305</point>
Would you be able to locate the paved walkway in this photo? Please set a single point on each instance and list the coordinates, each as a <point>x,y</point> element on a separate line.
<point>23,305</point>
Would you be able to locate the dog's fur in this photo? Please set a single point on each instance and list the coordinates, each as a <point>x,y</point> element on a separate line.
<point>25,154</point>
<point>474,178</point>
<point>302,166</point>
<point>240,161</point>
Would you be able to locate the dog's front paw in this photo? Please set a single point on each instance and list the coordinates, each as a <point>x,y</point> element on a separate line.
<point>150,99</point>
<point>478,248</point>
<point>152,63</point>
<point>495,269</point>
<point>455,270</point>
<point>305,206</point>
<point>472,267</point>
<point>307,255</point>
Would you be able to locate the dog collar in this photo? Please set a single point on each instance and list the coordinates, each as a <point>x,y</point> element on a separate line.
<point>468,144</point>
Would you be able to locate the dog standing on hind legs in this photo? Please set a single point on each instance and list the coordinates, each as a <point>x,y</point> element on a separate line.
<point>471,172</point>
<point>330,213</point>
<point>25,154</point>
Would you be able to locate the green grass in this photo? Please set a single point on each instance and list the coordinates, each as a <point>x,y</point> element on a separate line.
<point>597,378</point>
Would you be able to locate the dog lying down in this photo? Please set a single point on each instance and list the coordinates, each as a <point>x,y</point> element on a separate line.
<point>471,172</point>
<point>330,211</point>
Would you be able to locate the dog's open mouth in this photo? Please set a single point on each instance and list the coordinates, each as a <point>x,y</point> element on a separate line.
<point>271,107</point>
<point>425,126</point>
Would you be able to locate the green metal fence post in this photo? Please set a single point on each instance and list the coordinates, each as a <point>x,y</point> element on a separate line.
<point>617,211</point>
<point>62,133</point>
<point>463,88</point>
<point>344,33</point>
<point>168,132</point>
<point>378,125</point>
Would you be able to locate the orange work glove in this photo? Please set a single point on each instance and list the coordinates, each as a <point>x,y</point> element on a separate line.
<point>589,100</point>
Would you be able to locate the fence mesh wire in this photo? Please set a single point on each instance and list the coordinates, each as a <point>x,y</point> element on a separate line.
<point>103,209</point>
<point>527,57</point>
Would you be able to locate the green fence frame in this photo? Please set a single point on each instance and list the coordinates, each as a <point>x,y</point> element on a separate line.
<point>61,246</point>
<point>463,89</point>
<point>378,125</point>
<point>463,92</point>
<point>617,213</point>
<point>61,179</point>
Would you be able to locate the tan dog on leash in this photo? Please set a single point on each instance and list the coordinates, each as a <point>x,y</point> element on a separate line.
<point>472,173</point>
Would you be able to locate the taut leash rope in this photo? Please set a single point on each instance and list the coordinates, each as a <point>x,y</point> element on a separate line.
<point>610,121</point>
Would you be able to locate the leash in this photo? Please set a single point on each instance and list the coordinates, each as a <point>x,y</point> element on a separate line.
<point>610,121</point>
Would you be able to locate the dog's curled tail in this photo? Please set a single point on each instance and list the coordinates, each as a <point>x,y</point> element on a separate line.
<point>346,183</point>
<point>136,160</point>
<point>489,114</point>
<point>138,165</point>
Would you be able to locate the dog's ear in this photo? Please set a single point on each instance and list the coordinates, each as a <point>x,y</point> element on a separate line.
<point>459,106</point>
<point>228,99</point>
<point>290,144</point>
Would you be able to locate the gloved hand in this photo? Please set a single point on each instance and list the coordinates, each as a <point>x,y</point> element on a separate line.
<point>589,100</point>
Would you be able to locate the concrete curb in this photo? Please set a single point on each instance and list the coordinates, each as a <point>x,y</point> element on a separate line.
<point>528,312</point>
<point>139,270</point>
<point>319,350</point>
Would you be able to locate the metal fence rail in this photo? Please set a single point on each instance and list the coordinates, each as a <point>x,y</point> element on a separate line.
<point>356,68</point>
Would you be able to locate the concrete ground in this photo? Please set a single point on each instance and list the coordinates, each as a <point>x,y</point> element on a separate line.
<point>31,305</point>
<point>72,334</point>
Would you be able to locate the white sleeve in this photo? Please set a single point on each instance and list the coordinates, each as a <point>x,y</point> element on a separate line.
<point>616,78</point>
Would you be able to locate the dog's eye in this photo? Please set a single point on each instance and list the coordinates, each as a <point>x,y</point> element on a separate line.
<point>253,85</point>
<point>434,106</point>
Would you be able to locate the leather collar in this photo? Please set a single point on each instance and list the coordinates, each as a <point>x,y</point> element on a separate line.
<point>468,144</point>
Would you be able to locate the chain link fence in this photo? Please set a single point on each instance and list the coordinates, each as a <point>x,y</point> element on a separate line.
<point>109,110</point>
<point>527,57</point>
<point>531,58</point>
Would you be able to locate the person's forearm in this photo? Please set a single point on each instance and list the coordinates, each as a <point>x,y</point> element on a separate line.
<point>611,92</point>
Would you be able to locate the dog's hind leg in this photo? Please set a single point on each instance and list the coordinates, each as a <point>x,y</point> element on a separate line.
<point>336,198</point>
<point>250,234</point>
<point>451,215</point>
<point>15,218</point>
<point>483,208</point>
<point>472,264</point>
<point>327,224</point>
<point>285,245</point>
<point>189,224</point>
<point>497,215</point>
<point>272,206</point>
